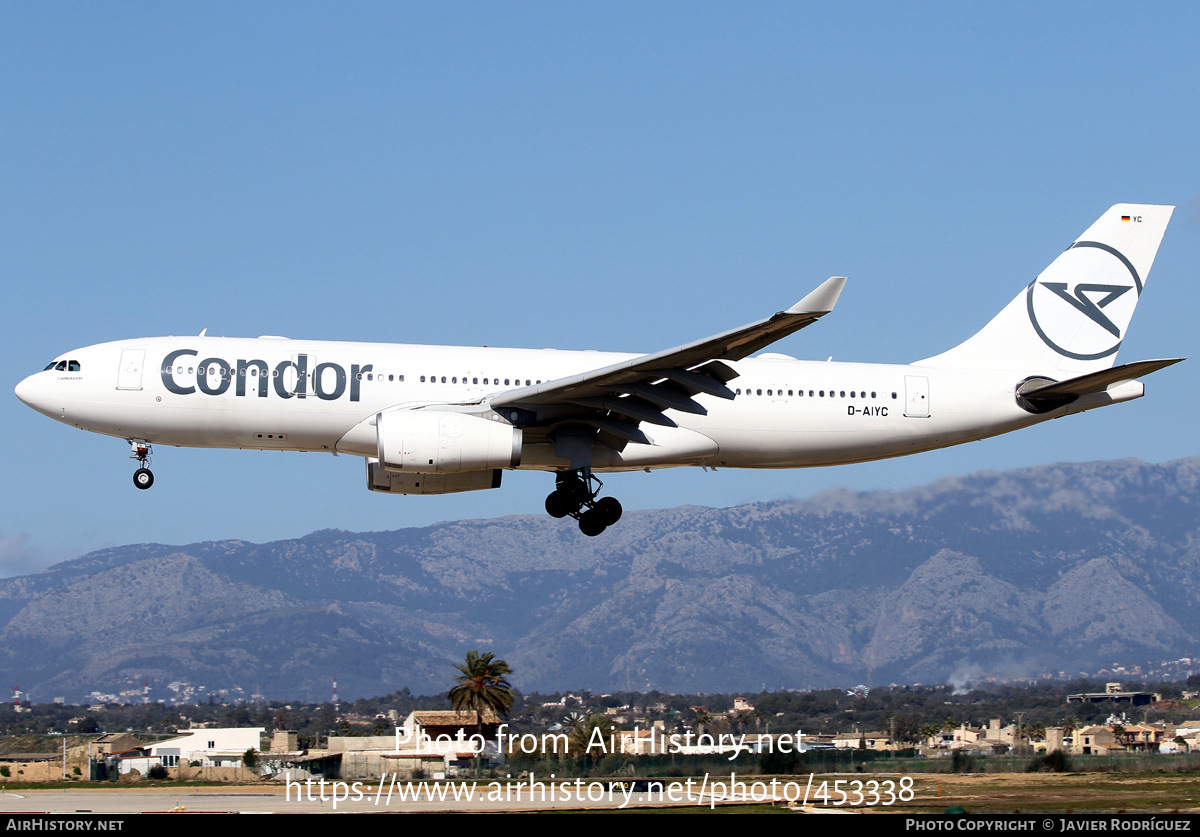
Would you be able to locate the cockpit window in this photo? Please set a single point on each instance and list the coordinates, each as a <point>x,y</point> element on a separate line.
<point>49,366</point>
<point>61,366</point>
<point>72,366</point>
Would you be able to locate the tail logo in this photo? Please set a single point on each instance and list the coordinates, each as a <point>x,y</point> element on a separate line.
<point>1089,308</point>
<point>1107,307</point>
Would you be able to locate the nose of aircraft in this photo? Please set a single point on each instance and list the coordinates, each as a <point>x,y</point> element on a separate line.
<point>32,392</point>
<point>24,389</point>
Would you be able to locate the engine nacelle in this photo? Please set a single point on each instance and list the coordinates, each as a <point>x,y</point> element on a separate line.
<point>441,442</point>
<point>391,482</point>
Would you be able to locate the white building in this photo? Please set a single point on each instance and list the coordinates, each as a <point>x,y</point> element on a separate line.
<point>209,747</point>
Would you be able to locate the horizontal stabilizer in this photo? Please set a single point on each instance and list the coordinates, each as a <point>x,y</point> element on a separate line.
<point>1098,381</point>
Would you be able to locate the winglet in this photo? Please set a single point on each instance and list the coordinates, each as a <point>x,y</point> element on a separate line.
<point>822,300</point>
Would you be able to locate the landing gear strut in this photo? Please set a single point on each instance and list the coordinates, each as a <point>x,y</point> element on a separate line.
<point>575,496</point>
<point>141,451</point>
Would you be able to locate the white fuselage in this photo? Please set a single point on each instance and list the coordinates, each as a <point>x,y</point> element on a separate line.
<point>282,394</point>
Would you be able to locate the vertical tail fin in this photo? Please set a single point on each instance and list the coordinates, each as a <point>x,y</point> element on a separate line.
<point>1073,317</point>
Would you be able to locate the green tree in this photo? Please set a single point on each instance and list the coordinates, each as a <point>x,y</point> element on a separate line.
<point>592,739</point>
<point>572,721</point>
<point>482,686</point>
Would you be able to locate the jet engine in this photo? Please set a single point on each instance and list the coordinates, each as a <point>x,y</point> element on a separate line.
<point>442,442</point>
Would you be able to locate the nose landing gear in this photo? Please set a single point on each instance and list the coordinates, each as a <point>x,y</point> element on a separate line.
<point>575,496</point>
<point>139,450</point>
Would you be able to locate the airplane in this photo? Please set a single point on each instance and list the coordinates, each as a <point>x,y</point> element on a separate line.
<point>444,419</point>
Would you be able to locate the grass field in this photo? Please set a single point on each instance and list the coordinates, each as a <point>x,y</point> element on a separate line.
<point>1154,792</point>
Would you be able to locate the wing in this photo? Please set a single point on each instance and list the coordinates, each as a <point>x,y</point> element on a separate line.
<point>615,399</point>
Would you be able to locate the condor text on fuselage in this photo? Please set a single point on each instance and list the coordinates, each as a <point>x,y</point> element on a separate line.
<point>289,378</point>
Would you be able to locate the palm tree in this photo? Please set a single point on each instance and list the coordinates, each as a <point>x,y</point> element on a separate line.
<point>481,687</point>
<point>571,721</point>
<point>579,742</point>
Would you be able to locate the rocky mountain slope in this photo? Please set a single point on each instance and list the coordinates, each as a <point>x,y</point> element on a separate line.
<point>1060,567</point>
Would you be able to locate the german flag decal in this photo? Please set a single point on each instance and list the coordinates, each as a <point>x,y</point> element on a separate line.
<point>1124,217</point>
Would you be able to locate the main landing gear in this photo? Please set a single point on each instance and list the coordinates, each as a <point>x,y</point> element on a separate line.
<point>575,496</point>
<point>141,451</point>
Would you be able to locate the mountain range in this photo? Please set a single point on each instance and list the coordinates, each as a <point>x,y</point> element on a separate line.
<point>1055,568</point>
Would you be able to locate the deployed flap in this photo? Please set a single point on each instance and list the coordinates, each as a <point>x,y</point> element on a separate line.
<point>730,345</point>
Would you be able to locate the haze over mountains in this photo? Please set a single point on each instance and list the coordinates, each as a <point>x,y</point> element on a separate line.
<point>1062,567</point>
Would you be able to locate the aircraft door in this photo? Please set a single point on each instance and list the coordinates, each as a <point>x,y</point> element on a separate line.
<point>296,373</point>
<point>916,396</point>
<point>129,374</point>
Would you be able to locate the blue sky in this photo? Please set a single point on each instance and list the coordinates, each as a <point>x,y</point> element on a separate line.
<point>611,176</point>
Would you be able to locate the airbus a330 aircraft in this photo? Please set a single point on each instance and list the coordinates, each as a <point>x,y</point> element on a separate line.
<point>442,419</point>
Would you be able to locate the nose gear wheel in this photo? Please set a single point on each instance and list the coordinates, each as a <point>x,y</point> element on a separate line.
<point>141,451</point>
